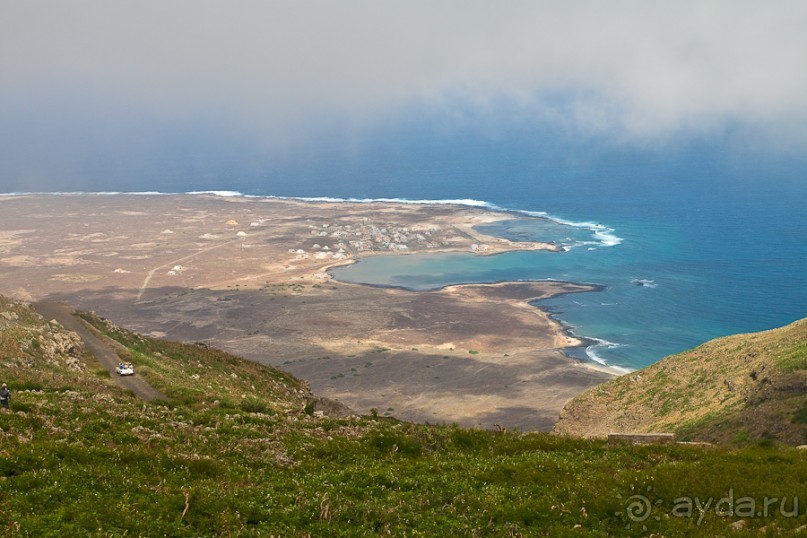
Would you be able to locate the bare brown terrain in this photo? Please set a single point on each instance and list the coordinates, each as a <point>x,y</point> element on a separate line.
<point>249,276</point>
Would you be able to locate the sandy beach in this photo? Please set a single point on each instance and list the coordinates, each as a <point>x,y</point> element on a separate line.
<point>249,275</point>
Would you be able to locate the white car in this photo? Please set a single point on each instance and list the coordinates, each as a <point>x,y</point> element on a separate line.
<point>125,368</point>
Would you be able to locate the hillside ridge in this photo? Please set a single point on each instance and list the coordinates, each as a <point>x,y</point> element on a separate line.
<point>734,390</point>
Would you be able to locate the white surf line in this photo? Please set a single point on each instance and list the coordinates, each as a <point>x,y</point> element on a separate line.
<point>175,262</point>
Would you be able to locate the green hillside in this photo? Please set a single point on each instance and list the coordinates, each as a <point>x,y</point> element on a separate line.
<point>732,390</point>
<point>239,450</point>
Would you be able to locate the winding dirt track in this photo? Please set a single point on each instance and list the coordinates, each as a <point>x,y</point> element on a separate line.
<point>103,351</point>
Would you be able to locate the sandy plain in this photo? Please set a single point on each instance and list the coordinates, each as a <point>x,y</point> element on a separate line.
<point>249,275</point>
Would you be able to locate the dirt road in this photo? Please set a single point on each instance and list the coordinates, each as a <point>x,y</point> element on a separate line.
<point>103,351</point>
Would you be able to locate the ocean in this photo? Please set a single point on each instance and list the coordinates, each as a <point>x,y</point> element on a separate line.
<point>688,241</point>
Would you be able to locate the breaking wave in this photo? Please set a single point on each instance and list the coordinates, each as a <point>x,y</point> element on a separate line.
<point>591,352</point>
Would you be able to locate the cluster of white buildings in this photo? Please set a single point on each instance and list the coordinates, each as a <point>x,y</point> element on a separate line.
<point>339,241</point>
<point>369,237</point>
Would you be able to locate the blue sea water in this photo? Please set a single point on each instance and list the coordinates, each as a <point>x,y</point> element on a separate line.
<point>689,241</point>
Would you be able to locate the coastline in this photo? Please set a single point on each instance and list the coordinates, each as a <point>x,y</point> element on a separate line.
<point>604,232</point>
<point>250,275</point>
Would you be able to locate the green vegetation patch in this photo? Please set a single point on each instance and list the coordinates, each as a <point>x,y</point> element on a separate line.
<point>800,416</point>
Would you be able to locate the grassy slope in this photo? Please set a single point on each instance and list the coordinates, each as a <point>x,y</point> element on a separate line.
<point>235,454</point>
<point>730,390</point>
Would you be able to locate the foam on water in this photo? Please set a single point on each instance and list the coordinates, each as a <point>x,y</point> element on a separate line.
<point>225,194</point>
<point>591,352</point>
<point>605,236</point>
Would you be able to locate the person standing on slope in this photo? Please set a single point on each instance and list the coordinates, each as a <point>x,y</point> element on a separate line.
<point>4,396</point>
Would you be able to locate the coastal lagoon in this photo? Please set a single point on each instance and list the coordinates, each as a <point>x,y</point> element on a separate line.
<point>623,319</point>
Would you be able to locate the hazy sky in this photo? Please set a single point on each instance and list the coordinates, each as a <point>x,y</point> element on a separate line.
<point>631,70</point>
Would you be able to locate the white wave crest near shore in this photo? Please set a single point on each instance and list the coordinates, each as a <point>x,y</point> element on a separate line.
<point>591,352</point>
